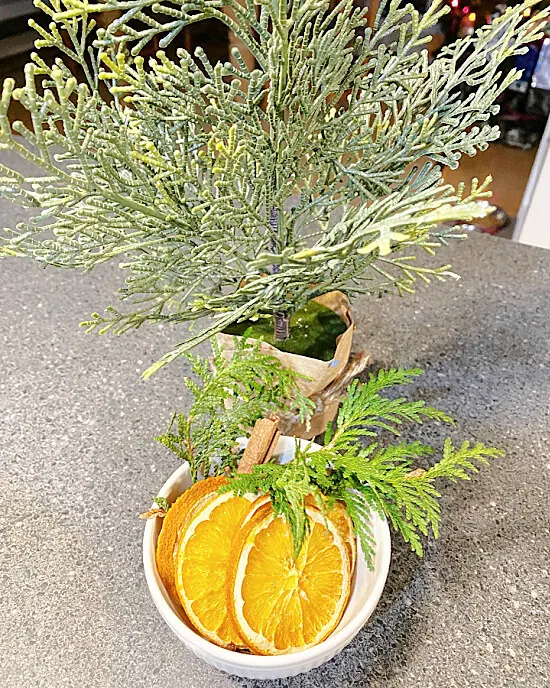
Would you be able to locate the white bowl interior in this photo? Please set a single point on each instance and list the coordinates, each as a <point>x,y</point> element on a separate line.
<point>367,587</point>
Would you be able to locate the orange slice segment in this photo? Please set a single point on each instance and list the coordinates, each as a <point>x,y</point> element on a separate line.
<point>201,566</point>
<point>341,519</point>
<point>281,605</point>
<point>174,523</point>
<point>338,514</point>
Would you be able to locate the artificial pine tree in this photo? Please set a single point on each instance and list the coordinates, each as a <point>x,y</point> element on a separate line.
<point>229,192</point>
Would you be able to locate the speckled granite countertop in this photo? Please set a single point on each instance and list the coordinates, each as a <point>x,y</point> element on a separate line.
<point>78,464</point>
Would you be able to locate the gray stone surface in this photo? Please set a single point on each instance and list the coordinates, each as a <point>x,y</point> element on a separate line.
<point>78,464</point>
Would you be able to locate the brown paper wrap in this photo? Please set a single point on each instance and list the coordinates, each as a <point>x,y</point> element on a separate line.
<point>317,423</point>
<point>326,402</point>
<point>321,373</point>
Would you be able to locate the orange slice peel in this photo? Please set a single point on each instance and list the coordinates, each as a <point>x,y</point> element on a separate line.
<point>174,523</point>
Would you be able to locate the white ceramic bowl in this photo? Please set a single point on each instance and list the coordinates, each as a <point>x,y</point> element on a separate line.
<point>366,589</point>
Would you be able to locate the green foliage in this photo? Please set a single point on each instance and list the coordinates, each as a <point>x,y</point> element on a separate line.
<point>229,396</point>
<point>228,192</point>
<point>287,487</point>
<point>162,503</point>
<point>372,476</point>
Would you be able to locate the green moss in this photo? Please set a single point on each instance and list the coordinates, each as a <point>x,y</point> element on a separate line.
<point>313,331</point>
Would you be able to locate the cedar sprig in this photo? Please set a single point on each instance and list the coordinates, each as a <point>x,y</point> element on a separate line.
<point>162,503</point>
<point>370,477</point>
<point>230,394</point>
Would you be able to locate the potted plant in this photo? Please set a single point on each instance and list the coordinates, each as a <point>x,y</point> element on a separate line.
<point>246,196</point>
<point>271,553</point>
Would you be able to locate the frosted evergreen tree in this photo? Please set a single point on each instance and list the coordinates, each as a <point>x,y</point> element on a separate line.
<point>229,192</point>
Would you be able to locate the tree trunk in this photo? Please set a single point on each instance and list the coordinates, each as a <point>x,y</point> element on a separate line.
<point>274,224</point>
<point>281,319</point>
<point>281,326</point>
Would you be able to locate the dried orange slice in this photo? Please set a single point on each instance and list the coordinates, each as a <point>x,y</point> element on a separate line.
<point>282,605</point>
<point>258,503</point>
<point>338,514</point>
<point>201,566</point>
<point>174,523</point>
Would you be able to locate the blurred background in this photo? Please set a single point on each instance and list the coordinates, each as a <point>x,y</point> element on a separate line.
<point>525,106</point>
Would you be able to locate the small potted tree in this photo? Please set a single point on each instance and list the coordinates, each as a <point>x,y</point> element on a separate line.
<point>252,197</point>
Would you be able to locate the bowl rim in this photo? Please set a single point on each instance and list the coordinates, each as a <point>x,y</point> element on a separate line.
<point>333,643</point>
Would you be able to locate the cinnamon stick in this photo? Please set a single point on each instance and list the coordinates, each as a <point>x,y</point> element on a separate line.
<point>261,445</point>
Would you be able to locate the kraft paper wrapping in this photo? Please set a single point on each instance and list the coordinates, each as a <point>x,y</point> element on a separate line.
<point>321,373</point>
<point>317,423</point>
